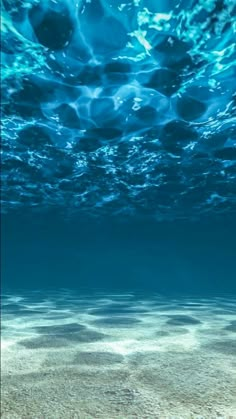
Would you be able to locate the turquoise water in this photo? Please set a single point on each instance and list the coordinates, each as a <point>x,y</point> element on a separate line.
<point>118,198</point>
<point>124,109</point>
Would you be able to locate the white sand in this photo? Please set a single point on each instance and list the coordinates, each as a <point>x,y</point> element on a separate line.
<point>84,357</point>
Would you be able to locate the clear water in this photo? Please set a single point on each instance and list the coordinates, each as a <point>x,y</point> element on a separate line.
<point>126,109</point>
<point>118,209</point>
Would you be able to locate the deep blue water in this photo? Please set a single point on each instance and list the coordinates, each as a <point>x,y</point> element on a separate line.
<point>170,258</point>
<point>118,144</point>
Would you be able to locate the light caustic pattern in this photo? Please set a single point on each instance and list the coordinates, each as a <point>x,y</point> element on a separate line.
<point>120,108</point>
<point>66,354</point>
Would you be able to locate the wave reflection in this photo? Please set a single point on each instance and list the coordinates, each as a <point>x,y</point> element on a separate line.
<point>119,108</point>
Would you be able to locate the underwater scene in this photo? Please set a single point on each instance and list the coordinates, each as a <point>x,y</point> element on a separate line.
<point>118,209</point>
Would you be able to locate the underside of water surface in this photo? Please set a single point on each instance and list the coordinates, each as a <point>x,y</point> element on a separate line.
<point>118,209</point>
<point>119,108</point>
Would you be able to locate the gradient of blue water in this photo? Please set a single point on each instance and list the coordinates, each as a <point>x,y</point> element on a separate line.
<point>178,258</point>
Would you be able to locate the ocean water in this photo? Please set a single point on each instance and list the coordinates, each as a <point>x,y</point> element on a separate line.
<point>118,204</point>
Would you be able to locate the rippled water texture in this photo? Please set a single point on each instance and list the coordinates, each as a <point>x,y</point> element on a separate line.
<point>120,108</point>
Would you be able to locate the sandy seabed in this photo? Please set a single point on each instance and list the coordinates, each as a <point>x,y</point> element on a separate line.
<point>70,355</point>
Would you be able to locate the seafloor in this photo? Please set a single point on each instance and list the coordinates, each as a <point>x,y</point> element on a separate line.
<point>69,355</point>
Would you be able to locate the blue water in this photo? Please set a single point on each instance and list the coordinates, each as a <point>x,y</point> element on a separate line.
<point>124,109</point>
<point>118,208</point>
